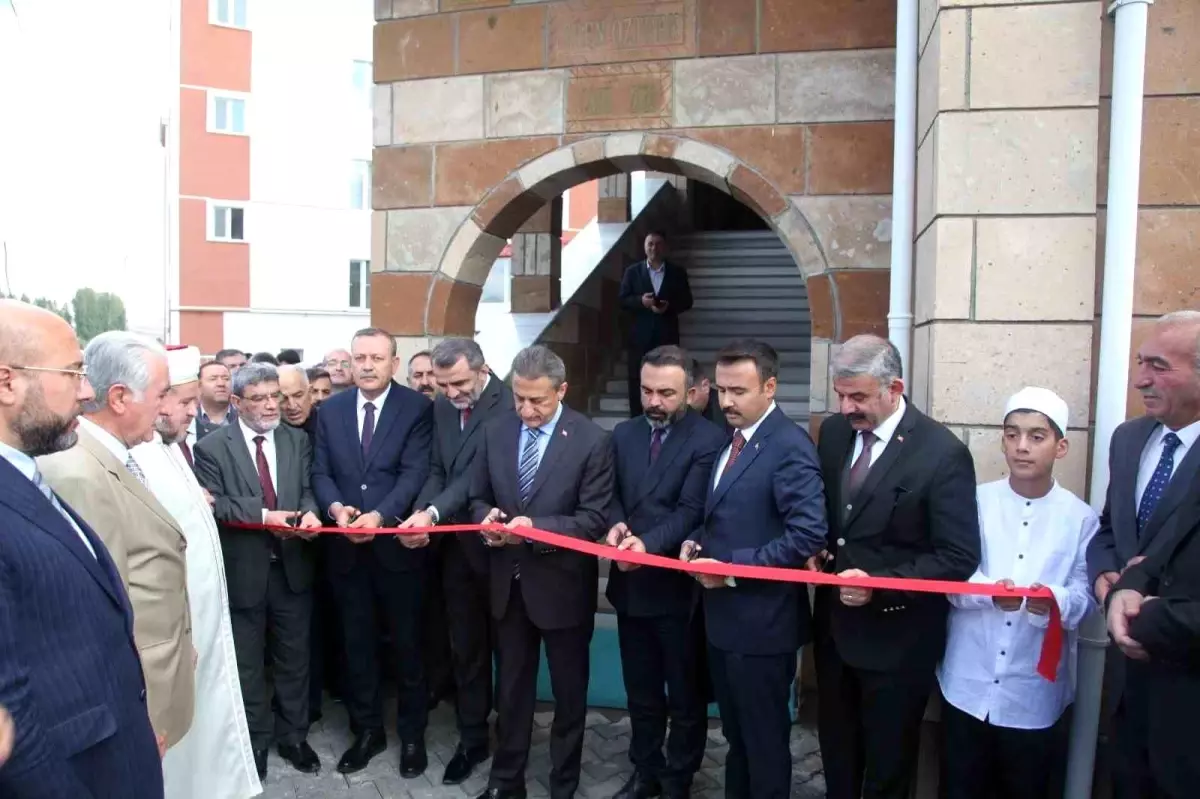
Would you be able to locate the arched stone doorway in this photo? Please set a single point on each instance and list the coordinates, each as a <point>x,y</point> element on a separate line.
<point>843,301</point>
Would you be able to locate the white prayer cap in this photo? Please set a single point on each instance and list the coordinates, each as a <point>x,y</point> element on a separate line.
<point>184,364</point>
<point>1042,400</point>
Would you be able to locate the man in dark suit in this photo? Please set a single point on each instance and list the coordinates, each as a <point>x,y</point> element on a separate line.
<point>70,675</point>
<point>551,469</point>
<point>765,507</point>
<point>664,462</point>
<point>257,472</point>
<point>703,399</point>
<point>1153,462</point>
<point>1154,617</point>
<point>900,491</point>
<point>372,460</point>
<point>469,397</point>
<point>655,293</point>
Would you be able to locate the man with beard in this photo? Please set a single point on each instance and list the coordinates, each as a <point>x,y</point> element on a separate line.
<point>420,374</point>
<point>320,384</point>
<point>214,758</point>
<point>339,364</point>
<point>470,396</point>
<point>663,460</point>
<point>298,408</point>
<point>258,473</point>
<point>215,410</point>
<point>67,650</point>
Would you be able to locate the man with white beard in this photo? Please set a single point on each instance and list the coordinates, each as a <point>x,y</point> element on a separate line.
<point>215,758</point>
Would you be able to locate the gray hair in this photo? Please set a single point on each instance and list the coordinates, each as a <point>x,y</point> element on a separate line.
<point>291,368</point>
<point>446,354</point>
<point>537,362</point>
<point>253,374</point>
<point>118,358</point>
<point>868,355</point>
<point>1183,318</point>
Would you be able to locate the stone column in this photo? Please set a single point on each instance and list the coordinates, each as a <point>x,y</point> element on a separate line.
<point>613,204</point>
<point>1007,160</point>
<point>537,261</point>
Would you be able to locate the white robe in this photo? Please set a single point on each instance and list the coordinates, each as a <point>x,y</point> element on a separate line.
<point>215,759</point>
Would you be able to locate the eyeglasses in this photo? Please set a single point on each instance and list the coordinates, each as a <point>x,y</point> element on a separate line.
<point>334,364</point>
<point>259,399</point>
<point>78,374</point>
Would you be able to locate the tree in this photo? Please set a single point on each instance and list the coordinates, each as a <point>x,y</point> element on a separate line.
<point>50,305</point>
<point>96,313</point>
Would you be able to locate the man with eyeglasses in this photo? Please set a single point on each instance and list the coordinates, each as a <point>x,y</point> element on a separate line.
<point>339,364</point>
<point>67,648</point>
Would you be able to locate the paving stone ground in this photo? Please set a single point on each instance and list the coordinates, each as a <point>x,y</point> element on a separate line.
<point>605,764</point>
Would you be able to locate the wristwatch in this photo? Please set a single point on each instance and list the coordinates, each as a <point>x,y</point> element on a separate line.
<point>433,513</point>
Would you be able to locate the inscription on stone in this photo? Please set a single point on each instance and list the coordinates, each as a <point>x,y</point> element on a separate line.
<point>601,31</point>
<point>619,97</point>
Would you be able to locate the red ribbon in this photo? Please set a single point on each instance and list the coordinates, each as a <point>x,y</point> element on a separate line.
<point>1052,642</point>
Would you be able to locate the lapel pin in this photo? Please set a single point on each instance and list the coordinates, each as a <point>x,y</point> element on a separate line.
<point>756,446</point>
<point>900,439</point>
<point>564,433</point>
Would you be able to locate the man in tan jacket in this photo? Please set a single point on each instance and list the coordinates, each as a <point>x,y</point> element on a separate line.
<point>104,484</point>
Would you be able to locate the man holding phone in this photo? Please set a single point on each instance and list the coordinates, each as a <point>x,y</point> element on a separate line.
<point>655,293</point>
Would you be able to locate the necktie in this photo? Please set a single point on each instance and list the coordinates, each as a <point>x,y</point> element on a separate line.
<point>862,464</point>
<point>368,431</point>
<point>42,486</point>
<point>464,417</point>
<point>1158,480</point>
<point>270,500</point>
<point>528,467</point>
<point>735,449</point>
<point>656,439</point>
<point>187,453</point>
<point>136,470</point>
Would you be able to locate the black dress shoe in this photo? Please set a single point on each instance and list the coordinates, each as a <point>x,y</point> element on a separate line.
<point>413,760</point>
<point>639,787</point>
<point>502,793</point>
<point>260,763</point>
<point>366,745</point>
<point>463,763</point>
<point>301,756</point>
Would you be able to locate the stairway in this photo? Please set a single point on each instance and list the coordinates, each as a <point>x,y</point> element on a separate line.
<point>745,285</point>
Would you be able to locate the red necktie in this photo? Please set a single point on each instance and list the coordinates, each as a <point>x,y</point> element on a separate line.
<point>465,415</point>
<point>264,475</point>
<point>187,453</point>
<point>735,449</point>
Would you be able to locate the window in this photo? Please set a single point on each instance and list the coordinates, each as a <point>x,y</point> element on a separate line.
<point>360,185</point>
<point>360,284</point>
<point>363,82</point>
<point>226,114</point>
<point>227,223</point>
<point>230,13</point>
<point>495,288</point>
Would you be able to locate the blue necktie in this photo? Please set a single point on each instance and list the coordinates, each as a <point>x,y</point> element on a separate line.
<point>1158,480</point>
<point>528,467</point>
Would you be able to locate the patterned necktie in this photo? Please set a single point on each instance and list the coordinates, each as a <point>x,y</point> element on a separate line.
<point>368,431</point>
<point>656,440</point>
<point>735,449</point>
<point>528,467</point>
<point>187,453</point>
<point>1158,480</point>
<point>270,500</point>
<point>862,464</point>
<point>136,470</point>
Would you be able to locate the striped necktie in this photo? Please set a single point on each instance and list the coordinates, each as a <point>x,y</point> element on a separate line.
<point>527,469</point>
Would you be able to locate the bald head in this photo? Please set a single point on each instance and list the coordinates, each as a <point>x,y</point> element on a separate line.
<point>297,399</point>
<point>24,328</point>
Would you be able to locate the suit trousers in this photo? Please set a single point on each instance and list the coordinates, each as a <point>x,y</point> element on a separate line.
<point>435,639</point>
<point>519,642</point>
<point>469,618</point>
<point>327,663</point>
<point>277,627</point>
<point>1132,778</point>
<point>634,385</point>
<point>983,761</point>
<point>753,693</point>
<point>869,725</point>
<point>366,594</point>
<point>659,651</point>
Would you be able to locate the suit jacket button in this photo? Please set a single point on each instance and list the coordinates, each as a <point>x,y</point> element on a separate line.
<point>841,542</point>
<point>362,487</point>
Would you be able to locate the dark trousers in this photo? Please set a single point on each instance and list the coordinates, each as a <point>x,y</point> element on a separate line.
<point>367,594</point>
<point>567,655</point>
<point>983,761</point>
<point>752,694</point>
<point>869,726</point>
<point>327,662</point>
<point>635,355</point>
<point>468,615</point>
<point>1133,777</point>
<point>277,627</point>
<point>435,638</point>
<point>656,652</point>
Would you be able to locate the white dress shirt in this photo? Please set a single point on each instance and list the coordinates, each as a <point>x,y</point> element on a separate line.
<point>747,434</point>
<point>990,667</point>
<point>377,402</point>
<point>27,466</point>
<point>883,434</point>
<point>1153,452</point>
<point>656,276</point>
<point>268,450</point>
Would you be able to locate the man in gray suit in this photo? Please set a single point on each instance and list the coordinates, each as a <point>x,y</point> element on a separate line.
<point>1153,461</point>
<point>258,473</point>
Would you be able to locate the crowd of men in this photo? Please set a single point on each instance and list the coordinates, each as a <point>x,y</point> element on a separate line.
<point>169,612</point>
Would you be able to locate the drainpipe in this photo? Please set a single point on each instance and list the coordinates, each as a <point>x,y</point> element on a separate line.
<point>904,160</point>
<point>1116,326</point>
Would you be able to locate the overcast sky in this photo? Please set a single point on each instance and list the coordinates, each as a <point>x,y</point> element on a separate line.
<point>83,85</point>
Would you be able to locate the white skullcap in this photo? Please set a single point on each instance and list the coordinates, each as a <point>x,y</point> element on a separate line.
<point>183,364</point>
<point>1042,400</point>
